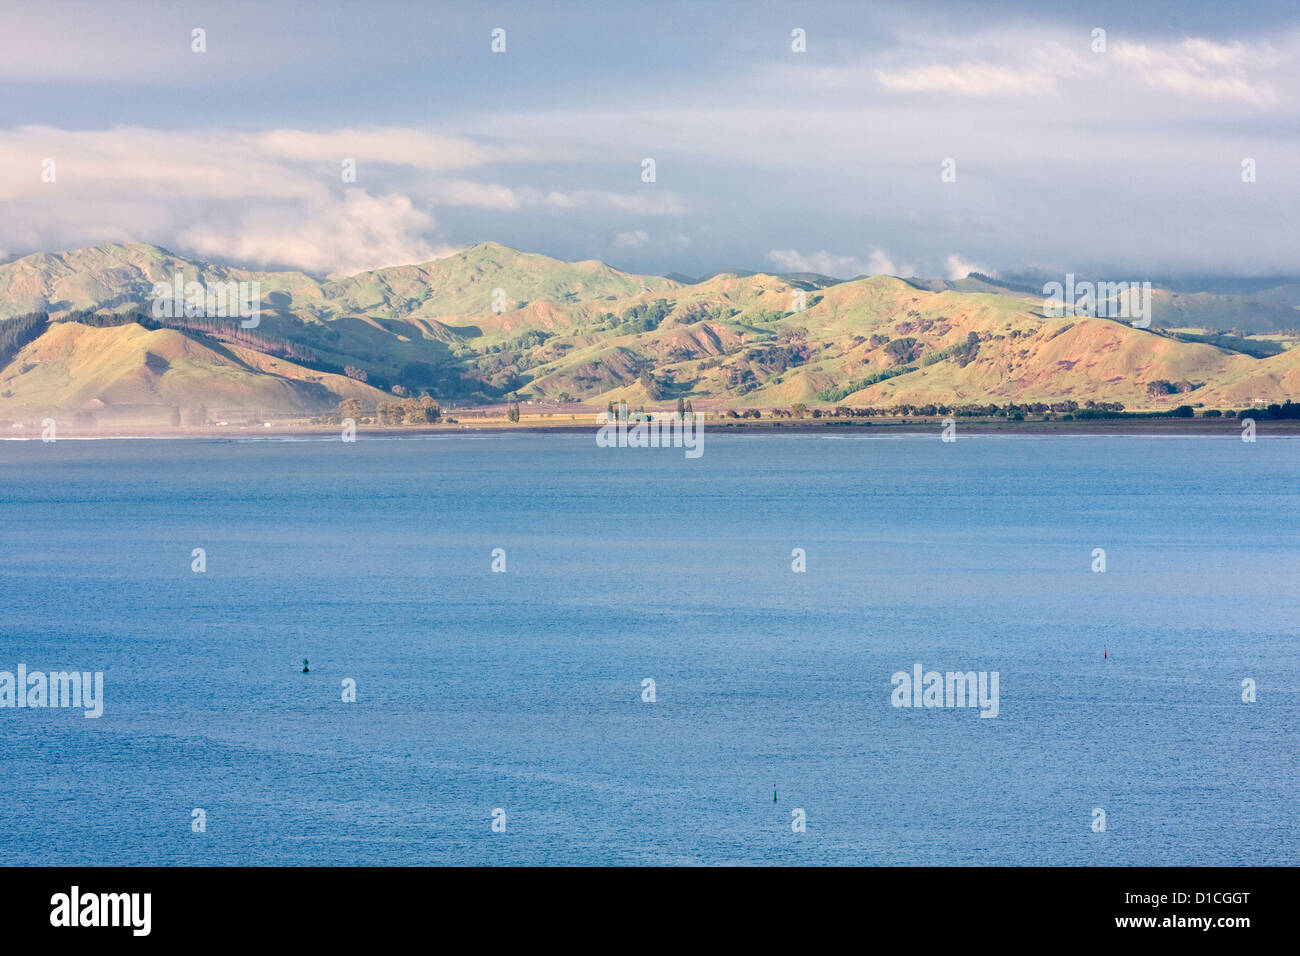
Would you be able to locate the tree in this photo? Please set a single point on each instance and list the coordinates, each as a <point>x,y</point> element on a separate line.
<point>903,350</point>
<point>350,408</point>
<point>18,331</point>
<point>512,412</point>
<point>432,411</point>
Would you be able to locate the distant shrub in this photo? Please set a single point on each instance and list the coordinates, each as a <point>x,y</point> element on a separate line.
<point>903,350</point>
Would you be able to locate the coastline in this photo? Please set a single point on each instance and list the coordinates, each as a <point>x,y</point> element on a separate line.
<point>1156,427</point>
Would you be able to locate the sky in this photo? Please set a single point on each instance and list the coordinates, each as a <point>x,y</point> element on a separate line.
<point>916,138</point>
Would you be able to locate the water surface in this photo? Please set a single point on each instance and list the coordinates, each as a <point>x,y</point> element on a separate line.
<point>522,690</point>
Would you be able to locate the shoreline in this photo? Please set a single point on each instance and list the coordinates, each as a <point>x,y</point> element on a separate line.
<point>1164,427</point>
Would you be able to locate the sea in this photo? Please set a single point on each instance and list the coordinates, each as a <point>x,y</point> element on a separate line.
<point>525,649</point>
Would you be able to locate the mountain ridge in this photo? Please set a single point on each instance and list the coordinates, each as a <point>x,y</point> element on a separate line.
<point>487,322</point>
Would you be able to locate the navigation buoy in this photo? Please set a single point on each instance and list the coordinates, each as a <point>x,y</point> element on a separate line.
<point>774,794</point>
<point>1103,653</point>
<point>304,666</point>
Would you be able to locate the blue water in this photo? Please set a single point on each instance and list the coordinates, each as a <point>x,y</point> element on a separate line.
<point>522,690</point>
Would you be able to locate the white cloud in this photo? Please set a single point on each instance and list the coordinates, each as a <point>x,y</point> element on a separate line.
<point>957,267</point>
<point>1006,63</point>
<point>412,147</point>
<point>628,240</point>
<point>969,79</point>
<point>830,149</point>
<point>273,198</point>
<point>1035,63</point>
<point>463,192</point>
<point>1201,68</point>
<point>343,237</point>
<point>217,164</point>
<point>270,198</point>
<point>877,262</point>
<point>654,202</point>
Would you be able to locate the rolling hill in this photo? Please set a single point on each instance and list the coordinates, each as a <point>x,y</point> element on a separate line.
<point>78,336</point>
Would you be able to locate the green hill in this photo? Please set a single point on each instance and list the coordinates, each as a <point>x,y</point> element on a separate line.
<point>490,321</point>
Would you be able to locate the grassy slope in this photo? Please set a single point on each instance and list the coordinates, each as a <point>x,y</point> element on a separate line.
<point>732,339</point>
<point>75,367</point>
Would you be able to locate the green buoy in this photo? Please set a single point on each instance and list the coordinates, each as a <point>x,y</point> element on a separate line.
<point>304,666</point>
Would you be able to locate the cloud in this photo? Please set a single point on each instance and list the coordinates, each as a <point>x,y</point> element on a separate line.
<point>1034,63</point>
<point>878,262</point>
<point>1202,68</point>
<point>271,199</point>
<point>276,197</point>
<point>220,164</point>
<point>760,151</point>
<point>1018,62</point>
<point>360,232</point>
<point>463,192</point>
<point>969,79</point>
<point>654,202</point>
<point>629,240</point>
<point>957,267</point>
<point>411,147</point>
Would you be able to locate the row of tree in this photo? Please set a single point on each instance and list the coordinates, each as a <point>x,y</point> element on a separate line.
<point>1277,412</point>
<point>1068,410</point>
<point>409,411</point>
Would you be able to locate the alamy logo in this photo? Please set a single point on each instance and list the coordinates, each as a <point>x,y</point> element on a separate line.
<point>1106,300</point>
<point>102,909</point>
<point>652,431</point>
<point>923,688</point>
<point>208,300</point>
<point>56,689</point>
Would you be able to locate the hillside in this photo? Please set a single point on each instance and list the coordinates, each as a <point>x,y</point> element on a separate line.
<point>489,322</point>
<point>129,373</point>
